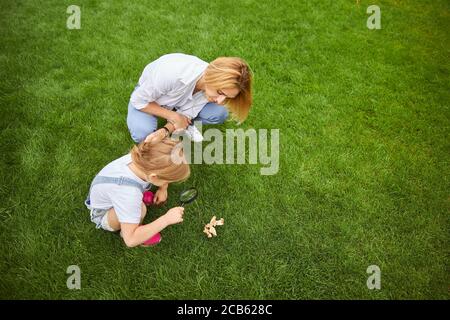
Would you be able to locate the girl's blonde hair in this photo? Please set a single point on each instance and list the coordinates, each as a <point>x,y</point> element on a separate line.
<point>157,158</point>
<point>231,73</point>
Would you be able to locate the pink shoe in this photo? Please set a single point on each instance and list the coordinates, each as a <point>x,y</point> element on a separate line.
<point>153,240</point>
<point>147,197</point>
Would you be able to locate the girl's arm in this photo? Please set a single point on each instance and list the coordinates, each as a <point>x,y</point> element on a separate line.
<point>134,234</point>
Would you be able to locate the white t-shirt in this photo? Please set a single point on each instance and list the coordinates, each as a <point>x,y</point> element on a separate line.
<point>126,200</point>
<point>170,81</point>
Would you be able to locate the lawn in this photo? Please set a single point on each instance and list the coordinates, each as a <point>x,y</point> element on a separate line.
<point>364,148</point>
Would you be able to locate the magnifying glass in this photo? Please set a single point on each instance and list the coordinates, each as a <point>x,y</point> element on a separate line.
<point>187,196</point>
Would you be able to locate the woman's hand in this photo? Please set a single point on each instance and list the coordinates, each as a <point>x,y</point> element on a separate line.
<point>174,216</point>
<point>160,195</point>
<point>180,121</point>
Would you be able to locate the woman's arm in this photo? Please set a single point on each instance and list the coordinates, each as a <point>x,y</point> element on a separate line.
<point>177,119</point>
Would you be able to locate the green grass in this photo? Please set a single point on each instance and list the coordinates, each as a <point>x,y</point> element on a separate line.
<point>364,144</point>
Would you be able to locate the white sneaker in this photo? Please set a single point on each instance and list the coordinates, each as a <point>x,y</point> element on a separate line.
<point>194,134</point>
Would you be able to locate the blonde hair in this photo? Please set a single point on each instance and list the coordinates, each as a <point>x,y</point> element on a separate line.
<point>232,73</point>
<point>157,158</point>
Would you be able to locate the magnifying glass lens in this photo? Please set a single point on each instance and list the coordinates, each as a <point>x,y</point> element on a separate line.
<point>188,195</point>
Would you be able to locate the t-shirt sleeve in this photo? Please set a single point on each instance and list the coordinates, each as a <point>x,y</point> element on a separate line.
<point>127,204</point>
<point>147,92</point>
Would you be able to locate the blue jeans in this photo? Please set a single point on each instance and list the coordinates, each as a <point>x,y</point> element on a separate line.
<point>141,124</point>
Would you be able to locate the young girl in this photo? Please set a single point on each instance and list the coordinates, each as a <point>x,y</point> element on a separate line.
<point>182,88</point>
<point>115,196</point>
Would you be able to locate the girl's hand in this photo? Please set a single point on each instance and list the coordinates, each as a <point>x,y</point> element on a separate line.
<point>174,215</point>
<point>160,196</point>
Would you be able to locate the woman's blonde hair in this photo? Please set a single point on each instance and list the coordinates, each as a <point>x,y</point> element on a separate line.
<point>231,73</point>
<point>157,158</point>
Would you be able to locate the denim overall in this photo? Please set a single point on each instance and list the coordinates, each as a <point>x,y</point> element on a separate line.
<point>97,214</point>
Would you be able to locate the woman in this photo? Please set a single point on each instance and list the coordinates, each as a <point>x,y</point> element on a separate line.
<point>181,88</point>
